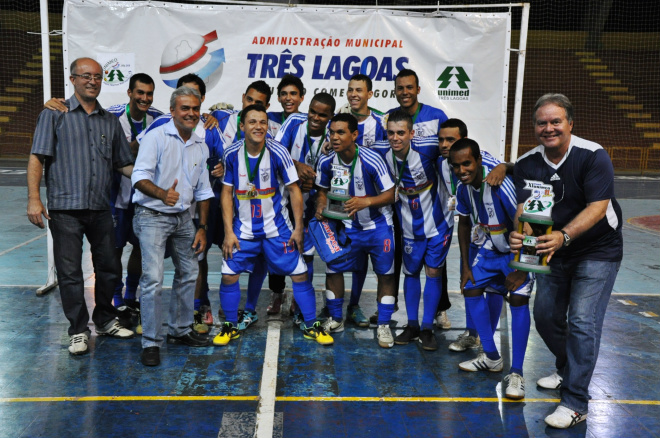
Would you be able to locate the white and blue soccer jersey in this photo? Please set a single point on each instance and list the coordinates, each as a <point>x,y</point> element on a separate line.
<point>449,182</point>
<point>263,213</point>
<point>303,148</point>
<point>228,124</point>
<point>371,130</point>
<point>427,122</point>
<point>422,216</point>
<point>491,209</point>
<point>370,178</point>
<point>121,192</point>
<point>275,122</point>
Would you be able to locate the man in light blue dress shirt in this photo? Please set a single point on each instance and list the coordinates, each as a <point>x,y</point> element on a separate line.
<point>170,172</point>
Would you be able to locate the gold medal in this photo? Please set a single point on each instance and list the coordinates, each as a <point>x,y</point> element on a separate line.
<point>251,191</point>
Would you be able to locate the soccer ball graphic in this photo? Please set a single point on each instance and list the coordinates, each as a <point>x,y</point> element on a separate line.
<point>193,53</point>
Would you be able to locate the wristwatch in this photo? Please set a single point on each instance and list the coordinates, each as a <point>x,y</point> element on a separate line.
<point>567,238</point>
<point>203,227</point>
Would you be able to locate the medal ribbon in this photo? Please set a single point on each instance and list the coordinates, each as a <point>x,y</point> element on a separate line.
<point>130,122</point>
<point>251,175</point>
<point>419,107</point>
<point>475,208</point>
<point>399,175</point>
<point>310,145</point>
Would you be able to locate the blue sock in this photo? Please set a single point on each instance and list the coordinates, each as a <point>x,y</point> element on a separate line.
<point>335,306</point>
<point>481,319</point>
<point>132,283</point>
<point>198,304</point>
<point>118,300</point>
<point>356,287</point>
<point>469,324</point>
<point>432,294</point>
<point>303,292</point>
<point>230,297</point>
<point>494,302</point>
<point>520,323</point>
<point>310,270</point>
<point>412,292</point>
<point>385,311</point>
<point>255,283</point>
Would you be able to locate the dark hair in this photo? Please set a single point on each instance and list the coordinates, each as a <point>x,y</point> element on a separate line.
<point>557,99</point>
<point>291,80</point>
<point>348,118</point>
<point>464,143</point>
<point>262,87</point>
<point>325,99</point>
<point>142,77</point>
<point>400,116</point>
<point>456,123</point>
<point>192,77</point>
<point>362,77</point>
<point>407,72</point>
<point>255,107</point>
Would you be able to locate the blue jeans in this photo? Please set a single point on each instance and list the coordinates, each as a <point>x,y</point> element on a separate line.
<point>155,231</point>
<point>579,290</point>
<point>68,228</point>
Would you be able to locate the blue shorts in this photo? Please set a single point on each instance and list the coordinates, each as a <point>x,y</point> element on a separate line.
<point>490,269</point>
<point>378,243</point>
<point>280,258</point>
<point>430,252</point>
<point>122,220</point>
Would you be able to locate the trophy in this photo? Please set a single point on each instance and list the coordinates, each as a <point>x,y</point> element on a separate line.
<point>537,212</point>
<point>338,194</point>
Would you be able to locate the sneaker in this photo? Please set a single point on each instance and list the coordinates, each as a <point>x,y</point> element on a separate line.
<point>354,313</point>
<point>198,326</point>
<point>298,319</point>
<point>275,305</point>
<point>373,320</point>
<point>428,341</point>
<point>442,320</point>
<point>207,314</point>
<point>384,335</point>
<point>125,316</point>
<point>515,386</point>
<point>114,329</point>
<point>331,325</point>
<point>408,335</point>
<point>317,333</point>
<point>465,341</point>
<point>78,343</point>
<point>482,362</point>
<point>246,318</point>
<point>552,381</point>
<point>227,333</point>
<point>563,418</point>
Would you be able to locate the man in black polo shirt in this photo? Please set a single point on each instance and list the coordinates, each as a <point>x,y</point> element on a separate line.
<point>80,149</point>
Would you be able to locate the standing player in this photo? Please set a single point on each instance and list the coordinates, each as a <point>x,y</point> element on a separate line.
<point>486,219</point>
<point>426,234</point>
<point>254,206</point>
<point>363,174</point>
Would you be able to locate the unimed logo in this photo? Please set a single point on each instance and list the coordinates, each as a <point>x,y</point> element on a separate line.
<point>454,81</point>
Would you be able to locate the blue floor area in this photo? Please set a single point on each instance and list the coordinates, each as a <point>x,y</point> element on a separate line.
<point>351,389</point>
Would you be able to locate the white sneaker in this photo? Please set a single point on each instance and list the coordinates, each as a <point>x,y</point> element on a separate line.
<point>552,381</point>
<point>442,320</point>
<point>115,330</point>
<point>78,344</point>
<point>563,418</point>
<point>333,326</point>
<point>515,386</point>
<point>481,362</point>
<point>465,341</point>
<point>385,338</point>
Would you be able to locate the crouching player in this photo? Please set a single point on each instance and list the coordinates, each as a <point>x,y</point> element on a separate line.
<point>258,173</point>
<point>363,175</point>
<point>486,219</point>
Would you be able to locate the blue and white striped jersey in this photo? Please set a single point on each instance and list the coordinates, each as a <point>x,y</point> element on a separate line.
<point>370,178</point>
<point>422,216</point>
<point>121,192</point>
<point>492,211</point>
<point>228,126</point>
<point>428,120</point>
<point>264,214</point>
<point>275,122</point>
<point>371,130</point>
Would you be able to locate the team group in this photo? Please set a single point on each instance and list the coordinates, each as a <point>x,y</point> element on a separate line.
<point>251,181</point>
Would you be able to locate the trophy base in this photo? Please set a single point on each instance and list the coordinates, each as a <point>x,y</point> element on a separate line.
<point>537,269</point>
<point>331,214</point>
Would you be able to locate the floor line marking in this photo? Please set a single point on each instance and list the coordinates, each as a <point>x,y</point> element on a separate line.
<point>22,244</point>
<point>263,427</point>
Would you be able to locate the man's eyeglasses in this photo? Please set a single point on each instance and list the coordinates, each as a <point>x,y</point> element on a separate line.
<point>88,77</point>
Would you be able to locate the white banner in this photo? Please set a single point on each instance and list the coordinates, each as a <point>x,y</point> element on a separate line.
<point>461,58</point>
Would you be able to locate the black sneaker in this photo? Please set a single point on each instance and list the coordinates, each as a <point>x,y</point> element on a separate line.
<point>428,341</point>
<point>408,335</point>
<point>125,316</point>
